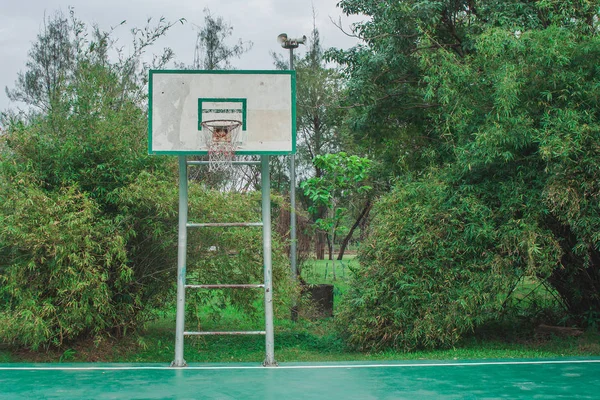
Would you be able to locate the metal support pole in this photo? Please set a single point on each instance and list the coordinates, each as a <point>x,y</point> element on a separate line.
<point>293,237</point>
<point>181,263</point>
<point>268,268</point>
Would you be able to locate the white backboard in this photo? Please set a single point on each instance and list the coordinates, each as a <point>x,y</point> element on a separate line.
<point>263,101</point>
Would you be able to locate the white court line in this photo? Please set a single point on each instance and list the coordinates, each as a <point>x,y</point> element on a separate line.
<point>349,366</point>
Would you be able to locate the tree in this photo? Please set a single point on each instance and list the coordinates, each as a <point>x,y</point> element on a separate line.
<point>485,113</point>
<point>318,114</point>
<point>211,52</point>
<point>386,112</point>
<point>342,176</point>
<point>536,148</point>
<point>51,63</point>
<point>65,43</point>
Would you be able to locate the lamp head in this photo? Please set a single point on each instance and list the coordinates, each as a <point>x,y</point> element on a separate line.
<point>282,38</point>
<point>288,43</point>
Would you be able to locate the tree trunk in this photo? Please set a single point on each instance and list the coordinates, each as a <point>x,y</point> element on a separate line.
<point>364,212</point>
<point>320,236</point>
<point>320,246</point>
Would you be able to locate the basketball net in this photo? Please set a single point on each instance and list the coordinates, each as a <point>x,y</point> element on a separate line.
<point>222,140</point>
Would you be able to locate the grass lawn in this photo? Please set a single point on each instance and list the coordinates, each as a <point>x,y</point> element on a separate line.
<point>321,271</point>
<point>306,340</point>
<point>303,341</point>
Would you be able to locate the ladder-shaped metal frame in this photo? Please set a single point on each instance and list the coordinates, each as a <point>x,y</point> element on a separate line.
<point>184,225</point>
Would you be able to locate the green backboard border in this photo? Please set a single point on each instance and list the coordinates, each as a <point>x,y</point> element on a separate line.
<point>292,75</point>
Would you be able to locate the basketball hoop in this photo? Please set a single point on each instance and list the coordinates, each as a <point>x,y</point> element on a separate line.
<point>221,137</point>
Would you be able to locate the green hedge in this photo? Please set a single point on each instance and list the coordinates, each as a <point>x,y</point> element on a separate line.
<point>435,265</point>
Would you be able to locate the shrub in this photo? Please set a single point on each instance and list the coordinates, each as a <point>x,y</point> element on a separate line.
<point>61,267</point>
<point>215,255</point>
<point>435,265</point>
<point>68,271</point>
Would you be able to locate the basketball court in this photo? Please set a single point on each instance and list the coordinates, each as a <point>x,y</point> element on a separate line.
<point>577,378</point>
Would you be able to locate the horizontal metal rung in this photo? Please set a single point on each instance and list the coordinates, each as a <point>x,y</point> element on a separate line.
<point>225,333</point>
<point>218,286</point>
<point>192,162</point>
<point>223,224</point>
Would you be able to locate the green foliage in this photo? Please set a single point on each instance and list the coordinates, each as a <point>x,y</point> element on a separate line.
<point>66,253</point>
<point>341,174</point>
<point>216,255</point>
<point>434,266</point>
<point>88,219</point>
<point>69,271</point>
<point>530,124</point>
<point>61,266</point>
<point>318,116</point>
<point>342,178</point>
<point>490,111</point>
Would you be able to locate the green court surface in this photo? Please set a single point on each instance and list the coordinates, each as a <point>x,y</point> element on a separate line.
<point>502,379</point>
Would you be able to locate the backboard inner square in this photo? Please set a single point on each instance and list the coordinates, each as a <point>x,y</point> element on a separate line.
<point>222,109</point>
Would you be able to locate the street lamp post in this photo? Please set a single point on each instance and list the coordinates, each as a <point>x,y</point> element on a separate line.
<point>291,44</point>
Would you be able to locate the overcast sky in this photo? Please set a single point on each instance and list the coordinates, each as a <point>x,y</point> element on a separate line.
<point>259,21</point>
